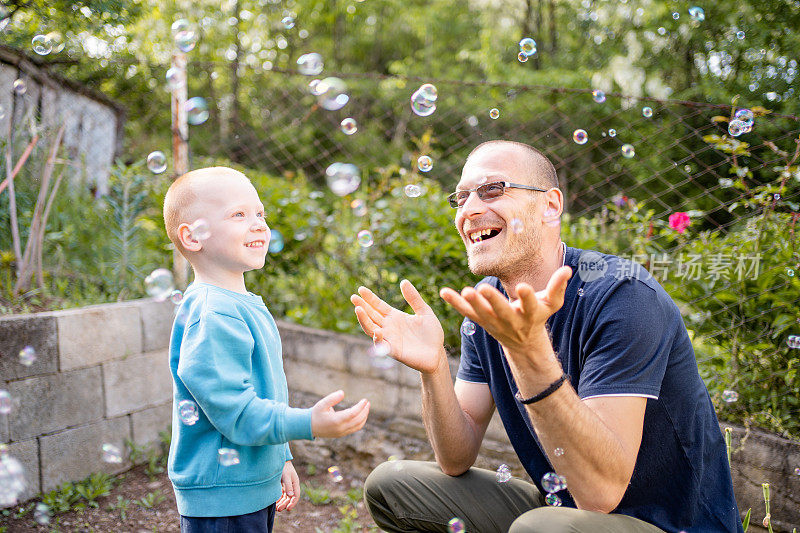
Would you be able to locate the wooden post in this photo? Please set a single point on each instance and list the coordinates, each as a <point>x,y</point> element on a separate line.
<point>180,152</point>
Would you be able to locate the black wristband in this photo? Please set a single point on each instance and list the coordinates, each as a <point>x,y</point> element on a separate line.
<point>545,393</point>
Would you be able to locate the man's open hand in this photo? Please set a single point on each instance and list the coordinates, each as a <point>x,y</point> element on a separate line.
<point>414,340</point>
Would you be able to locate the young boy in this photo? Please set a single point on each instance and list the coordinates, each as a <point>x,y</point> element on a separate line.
<point>225,356</point>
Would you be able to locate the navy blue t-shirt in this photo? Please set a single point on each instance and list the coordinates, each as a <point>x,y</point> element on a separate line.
<point>621,334</point>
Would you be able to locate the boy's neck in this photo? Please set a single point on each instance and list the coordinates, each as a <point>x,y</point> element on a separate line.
<point>224,280</point>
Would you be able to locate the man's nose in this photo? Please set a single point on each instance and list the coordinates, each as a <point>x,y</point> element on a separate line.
<point>473,206</point>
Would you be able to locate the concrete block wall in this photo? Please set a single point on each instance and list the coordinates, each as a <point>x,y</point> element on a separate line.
<point>102,375</point>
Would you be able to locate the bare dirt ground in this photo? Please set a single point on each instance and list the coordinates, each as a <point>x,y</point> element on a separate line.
<point>126,509</point>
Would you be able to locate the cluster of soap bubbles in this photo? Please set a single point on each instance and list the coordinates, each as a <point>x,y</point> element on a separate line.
<point>552,483</point>
<point>503,474</point>
<point>793,341</point>
<point>159,284</point>
<point>112,454</point>
<point>456,525</point>
<point>228,456</point>
<point>423,100</point>
<point>12,478</point>
<point>335,473</point>
<point>46,44</point>
<point>729,396</point>
<point>741,123</point>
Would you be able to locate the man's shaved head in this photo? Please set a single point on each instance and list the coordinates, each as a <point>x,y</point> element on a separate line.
<point>184,199</point>
<point>540,170</point>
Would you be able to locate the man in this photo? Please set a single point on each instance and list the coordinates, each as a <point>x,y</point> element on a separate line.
<point>594,378</point>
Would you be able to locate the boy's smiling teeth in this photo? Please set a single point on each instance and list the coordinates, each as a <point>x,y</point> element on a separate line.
<point>254,244</point>
<point>481,234</point>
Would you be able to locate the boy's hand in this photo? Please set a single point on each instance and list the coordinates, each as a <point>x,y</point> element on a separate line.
<point>325,422</point>
<point>290,488</point>
<point>414,340</point>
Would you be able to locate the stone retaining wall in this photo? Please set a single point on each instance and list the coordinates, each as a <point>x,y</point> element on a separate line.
<point>102,376</point>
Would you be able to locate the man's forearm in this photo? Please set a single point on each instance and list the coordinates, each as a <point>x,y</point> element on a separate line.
<point>452,436</point>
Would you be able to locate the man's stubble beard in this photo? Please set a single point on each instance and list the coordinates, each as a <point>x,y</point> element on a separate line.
<point>517,259</point>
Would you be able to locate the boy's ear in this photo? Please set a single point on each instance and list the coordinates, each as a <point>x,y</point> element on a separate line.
<point>188,241</point>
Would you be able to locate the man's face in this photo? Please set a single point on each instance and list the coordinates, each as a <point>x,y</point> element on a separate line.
<point>239,236</point>
<point>502,236</point>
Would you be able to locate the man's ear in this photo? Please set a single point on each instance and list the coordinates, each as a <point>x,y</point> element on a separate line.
<point>187,240</point>
<point>553,206</point>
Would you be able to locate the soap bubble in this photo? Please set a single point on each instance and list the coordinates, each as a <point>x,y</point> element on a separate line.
<point>740,35</point>
<point>494,113</point>
<point>196,110</point>
<point>41,514</point>
<point>697,13</point>
<point>746,116</point>
<point>472,120</point>
<point>456,525</point>
<point>342,178</point>
<point>552,482</point>
<point>12,479</point>
<point>20,87</point>
<point>647,112</point>
<point>468,328</point>
<point>379,349</point>
<point>335,473</point>
<point>200,230</point>
<point>737,127</point>
<point>424,163</point>
<point>5,402</point>
<point>676,15</point>
<point>157,162</point>
<point>175,79</point>
<point>412,190</point>
<point>313,87</point>
<point>729,396</point>
<point>180,25</point>
<point>176,297</point>
<point>27,356</point>
<point>516,225</point>
<point>228,456</point>
<point>359,207</point>
<point>598,96</point>
<point>580,291</point>
<point>332,94</point>
<point>112,454</point>
<point>503,474</point>
<point>2,112</point>
<point>580,136</point>
<point>797,471</point>
<point>522,57</point>
<point>349,126</point>
<point>552,500</point>
<point>364,238</point>
<point>627,151</point>
<point>309,64</point>
<point>276,242</point>
<point>527,46</point>
<point>159,284</point>
<point>423,101</point>
<point>187,412</point>
<point>558,452</point>
<point>288,22</point>
<point>186,40</point>
<point>612,132</point>
<point>42,45</point>
<point>793,341</point>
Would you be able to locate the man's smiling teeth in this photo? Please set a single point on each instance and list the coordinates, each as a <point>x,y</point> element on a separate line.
<point>255,244</point>
<point>478,236</point>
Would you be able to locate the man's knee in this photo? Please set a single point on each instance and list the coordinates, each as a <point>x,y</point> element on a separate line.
<point>377,481</point>
<point>548,519</point>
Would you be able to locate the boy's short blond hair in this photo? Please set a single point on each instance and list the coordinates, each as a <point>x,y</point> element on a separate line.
<point>180,202</point>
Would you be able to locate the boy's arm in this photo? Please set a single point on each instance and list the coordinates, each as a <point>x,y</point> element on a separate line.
<point>215,367</point>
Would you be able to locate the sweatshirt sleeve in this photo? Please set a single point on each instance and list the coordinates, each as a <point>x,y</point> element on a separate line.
<point>215,366</point>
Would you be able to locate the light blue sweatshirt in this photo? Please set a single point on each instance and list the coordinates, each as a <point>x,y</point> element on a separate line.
<point>225,355</point>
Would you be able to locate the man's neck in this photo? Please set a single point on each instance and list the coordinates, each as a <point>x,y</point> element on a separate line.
<point>538,275</point>
<point>222,279</point>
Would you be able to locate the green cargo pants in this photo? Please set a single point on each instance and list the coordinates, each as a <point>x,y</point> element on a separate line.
<point>404,496</point>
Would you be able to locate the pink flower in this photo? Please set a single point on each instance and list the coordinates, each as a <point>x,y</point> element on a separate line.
<point>679,221</point>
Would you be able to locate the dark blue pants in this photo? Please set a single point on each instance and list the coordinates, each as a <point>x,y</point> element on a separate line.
<point>257,522</point>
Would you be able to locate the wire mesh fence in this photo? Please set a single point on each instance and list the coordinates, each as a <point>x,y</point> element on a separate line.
<point>712,216</point>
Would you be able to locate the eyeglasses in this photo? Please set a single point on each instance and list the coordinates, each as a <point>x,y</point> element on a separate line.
<point>487,191</point>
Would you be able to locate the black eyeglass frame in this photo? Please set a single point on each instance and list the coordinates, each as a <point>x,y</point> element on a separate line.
<point>452,200</point>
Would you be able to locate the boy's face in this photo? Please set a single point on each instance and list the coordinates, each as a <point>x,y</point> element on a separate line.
<point>239,236</point>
